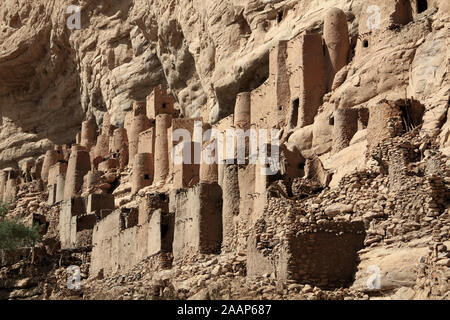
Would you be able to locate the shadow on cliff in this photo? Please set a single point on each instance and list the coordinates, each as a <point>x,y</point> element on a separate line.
<point>41,105</point>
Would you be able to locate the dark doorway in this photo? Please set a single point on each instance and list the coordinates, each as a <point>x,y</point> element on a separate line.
<point>294,116</point>
<point>331,121</point>
<point>412,114</point>
<point>422,5</point>
<point>280,17</point>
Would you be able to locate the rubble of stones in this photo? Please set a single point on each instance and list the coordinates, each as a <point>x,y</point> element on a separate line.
<point>141,227</point>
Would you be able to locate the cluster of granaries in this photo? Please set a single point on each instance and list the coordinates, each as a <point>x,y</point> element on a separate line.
<point>142,144</point>
<point>301,71</point>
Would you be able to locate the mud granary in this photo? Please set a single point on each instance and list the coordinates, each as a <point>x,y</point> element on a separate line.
<point>117,194</point>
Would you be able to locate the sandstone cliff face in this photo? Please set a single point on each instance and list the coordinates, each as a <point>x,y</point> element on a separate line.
<point>206,51</point>
<point>363,113</point>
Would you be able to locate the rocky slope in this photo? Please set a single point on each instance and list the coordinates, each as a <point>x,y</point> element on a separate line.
<point>206,52</point>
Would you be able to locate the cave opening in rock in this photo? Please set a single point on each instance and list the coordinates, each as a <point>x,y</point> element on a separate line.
<point>162,196</point>
<point>244,27</point>
<point>164,230</point>
<point>11,175</point>
<point>114,185</point>
<point>412,114</point>
<point>331,121</point>
<point>294,118</point>
<point>280,16</point>
<point>366,43</point>
<point>422,5</point>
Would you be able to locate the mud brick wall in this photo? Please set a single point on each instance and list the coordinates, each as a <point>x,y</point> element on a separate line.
<point>105,241</point>
<point>198,220</point>
<point>150,203</point>
<point>160,232</point>
<point>97,202</point>
<point>120,240</point>
<point>69,210</point>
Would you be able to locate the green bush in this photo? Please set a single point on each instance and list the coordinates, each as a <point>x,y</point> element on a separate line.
<point>3,209</point>
<point>14,235</point>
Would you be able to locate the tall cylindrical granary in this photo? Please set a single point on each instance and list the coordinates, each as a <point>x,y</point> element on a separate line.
<point>162,163</point>
<point>142,175</point>
<point>10,188</point>
<point>139,123</point>
<point>78,138</point>
<point>88,133</point>
<point>106,125</point>
<point>230,205</point>
<point>79,166</point>
<point>60,181</point>
<point>66,152</point>
<point>119,147</point>
<point>242,121</point>
<point>120,140</point>
<point>209,171</point>
<point>345,127</point>
<point>102,147</point>
<point>51,157</point>
<point>242,110</point>
<point>3,179</point>
<point>336,36</point>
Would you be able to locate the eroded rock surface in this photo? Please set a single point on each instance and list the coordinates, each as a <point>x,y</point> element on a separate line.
<point>357,208</point>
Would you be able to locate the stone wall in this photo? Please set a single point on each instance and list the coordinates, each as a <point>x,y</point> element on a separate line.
<point>198,220</point>
<point>360,165</point>
<point>323,253</point>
